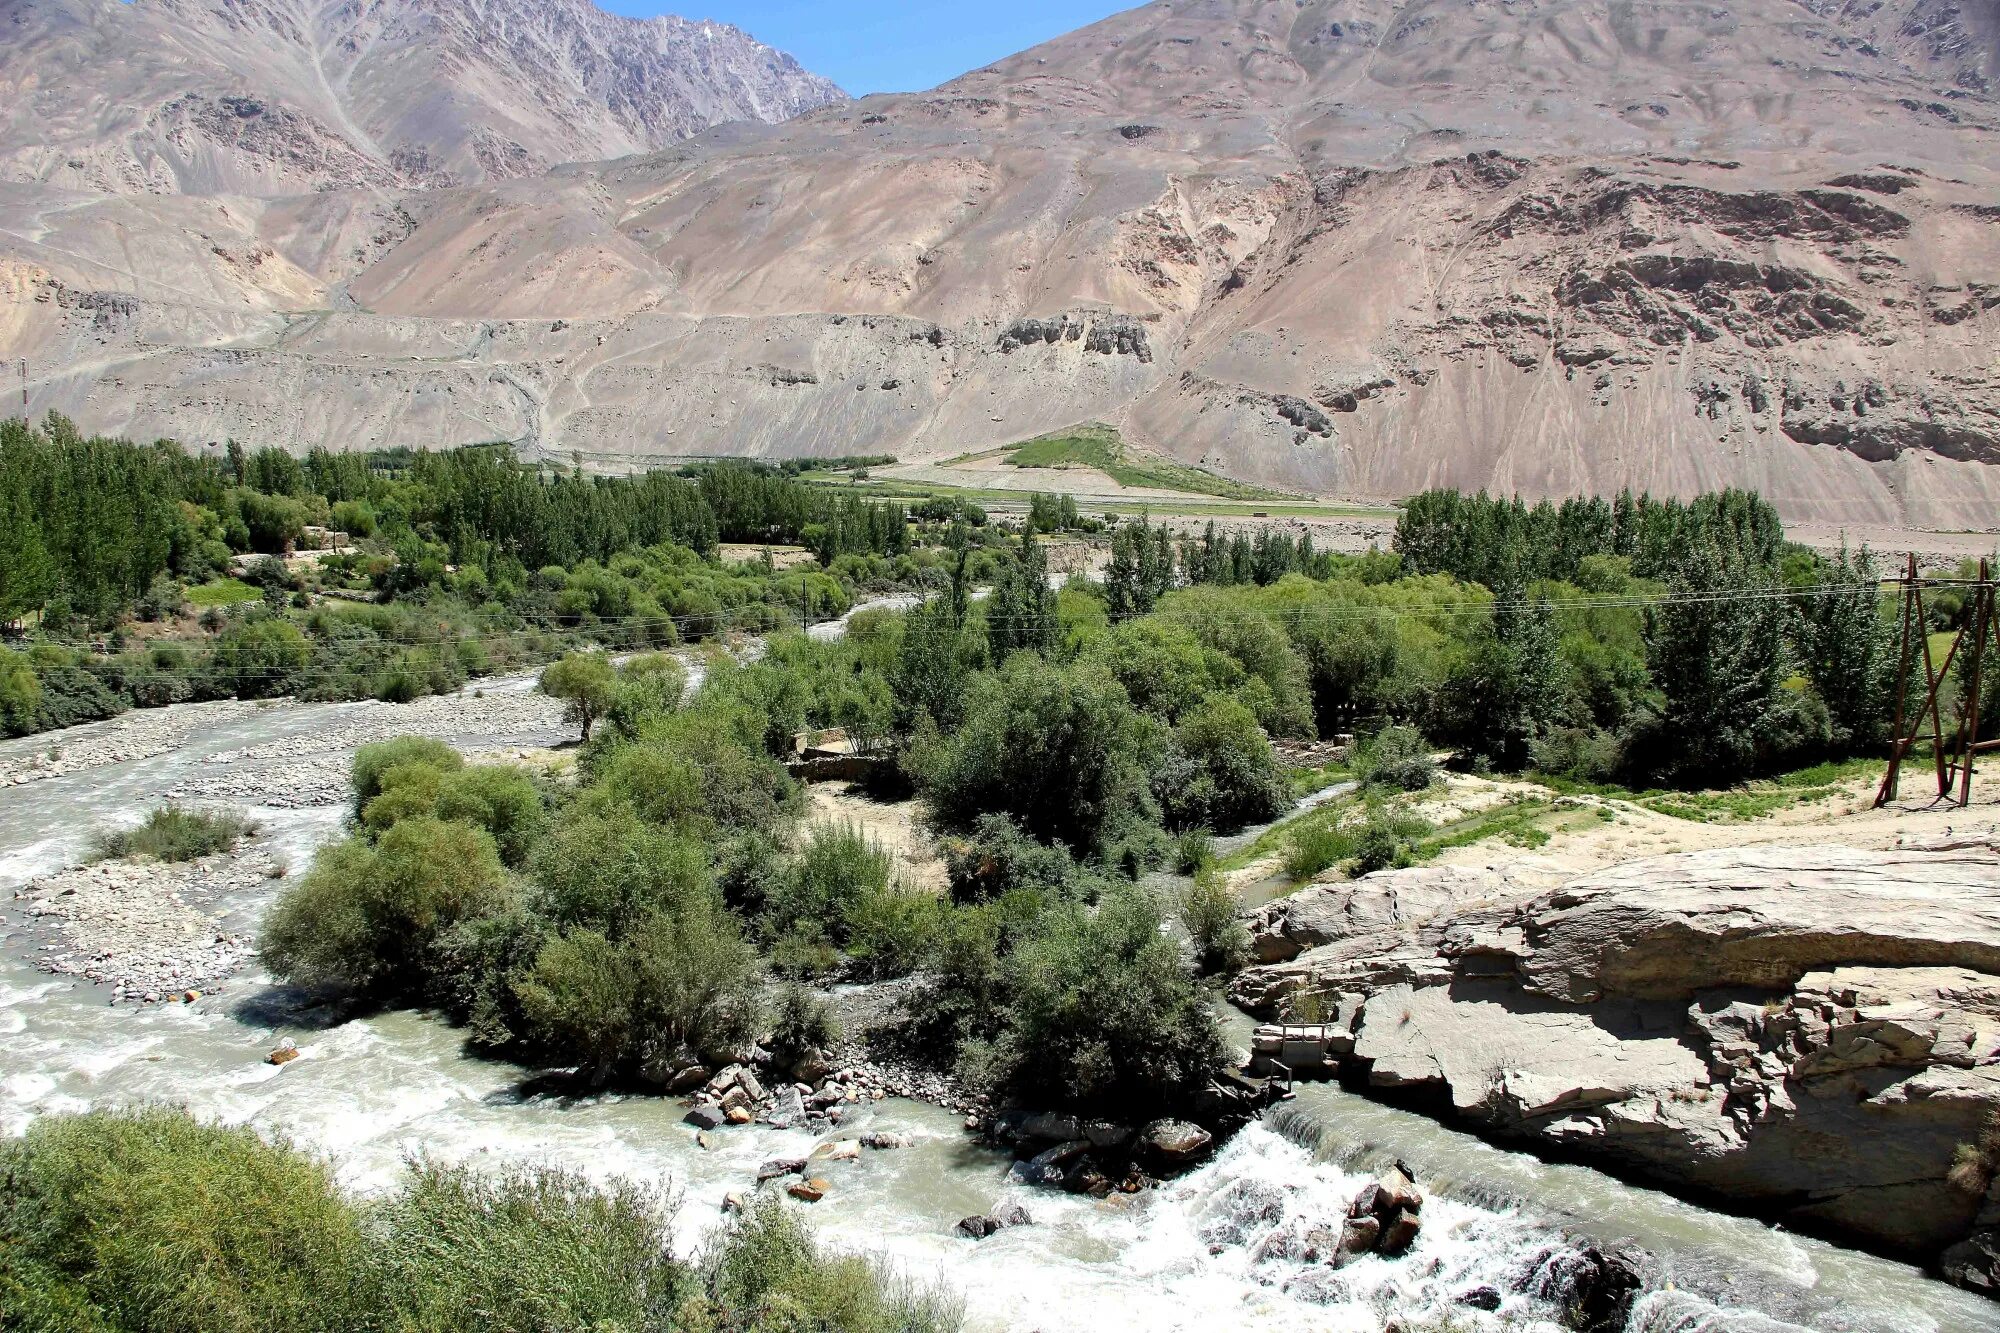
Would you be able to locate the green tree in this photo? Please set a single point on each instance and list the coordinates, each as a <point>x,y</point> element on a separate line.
<point>587,685</point>
<point>1846,650</point>
<point>259,659</point>
<point>370,917</point>
<point>1716,652</point>
<point>1103,1015</point>
<point>1060,748</point>
<point>1022,615</point>
<point>1512,690</point>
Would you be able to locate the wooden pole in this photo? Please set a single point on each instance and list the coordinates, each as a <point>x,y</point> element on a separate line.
<point>1887,792</point>
<point>1982,603</point>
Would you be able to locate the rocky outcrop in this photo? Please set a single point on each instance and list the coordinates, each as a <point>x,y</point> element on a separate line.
<point>1811,1032</point>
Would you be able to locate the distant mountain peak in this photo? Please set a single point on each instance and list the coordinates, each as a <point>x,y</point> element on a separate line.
<point>278,97</point>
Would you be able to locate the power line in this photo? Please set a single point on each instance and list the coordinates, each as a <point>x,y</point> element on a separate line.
<point>1295,615</point>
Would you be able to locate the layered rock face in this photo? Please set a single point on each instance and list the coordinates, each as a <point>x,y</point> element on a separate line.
<point>1810,1032</point>
<point>286,97</point>
<point>1344,246</point>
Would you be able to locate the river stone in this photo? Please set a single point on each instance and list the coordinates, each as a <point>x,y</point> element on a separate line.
<point>780,1166</point>
<point>808,1191</point>
<point>1175,1140</point>
<point>786,1109</point>
<point>705,1115</point>
<point>1050,1127</point>
<point>1399,1233</point>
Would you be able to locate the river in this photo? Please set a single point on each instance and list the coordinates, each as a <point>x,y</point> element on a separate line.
<point>1194,1254</point>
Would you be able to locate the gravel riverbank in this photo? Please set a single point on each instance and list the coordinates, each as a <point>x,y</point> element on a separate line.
<point>150,931</point>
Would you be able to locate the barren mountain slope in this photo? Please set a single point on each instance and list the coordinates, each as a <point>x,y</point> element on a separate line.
<point>284,96</point>
<point>1552,245</point>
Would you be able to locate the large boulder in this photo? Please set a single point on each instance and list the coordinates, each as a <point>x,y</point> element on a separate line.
<point>1668,926</point>
<point>1814,1031</point>
<point>1175,1141</point>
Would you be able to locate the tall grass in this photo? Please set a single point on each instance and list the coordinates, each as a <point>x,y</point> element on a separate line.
<point>151,1220</point>
<point>173,833</point>
<point>1316,845</point>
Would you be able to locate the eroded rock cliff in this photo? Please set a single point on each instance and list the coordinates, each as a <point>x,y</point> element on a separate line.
<point>1811,1032</point>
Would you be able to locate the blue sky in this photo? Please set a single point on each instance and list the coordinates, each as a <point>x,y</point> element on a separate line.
<point>889,46</point>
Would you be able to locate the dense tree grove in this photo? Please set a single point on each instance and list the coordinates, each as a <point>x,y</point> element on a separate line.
<point>449,565</point>
<point>150,1221</point>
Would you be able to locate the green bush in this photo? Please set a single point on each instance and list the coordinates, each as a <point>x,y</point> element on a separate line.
<point>1193,850</point>
<point>1398,759</point>
<point>260,658</point>
<point>172,833</point>
<point>1207,911</point>
<point>767,1273</point>
<point>374,760</point>
<point>147,1220</point>
<point>1102,1014</point>
<point>801,1022</point>
<point>997,858</point>
<point>527,1249</point>
<point>369,917</point>
<point>1316,845</point>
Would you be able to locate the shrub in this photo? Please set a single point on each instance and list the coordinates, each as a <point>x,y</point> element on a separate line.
<point>801,1022</point>
<point>998,858</point>
<point>768,1272</point>
<point>148,1219</point>
<point>1399,759</point>
<point>1581,754</point>
<point>1207,911</point>
<point>369,917</point>
<point>1193,850</point>
<point>259,659</point>
<point>527,1249</point>
<point>889,931</point>
<point>374,760</point>
<point>499,799</point>
<point>1103,1015</point>
<point>1385,839</point>
<point>1316,845</point>
<point>172,833</point>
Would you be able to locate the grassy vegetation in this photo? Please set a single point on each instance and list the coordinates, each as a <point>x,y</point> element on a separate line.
<point>172,833</point>
<point>1306,781</point>
<point>221,592</point>
<point>1098,446</point>
<point>1389,833</point>
<point>999,498</point>
<point>1733,805</point>
<point>151,1220</point>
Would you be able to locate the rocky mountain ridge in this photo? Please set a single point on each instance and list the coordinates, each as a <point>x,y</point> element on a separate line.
<point>1342,246</point>
<point>284,97</point>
